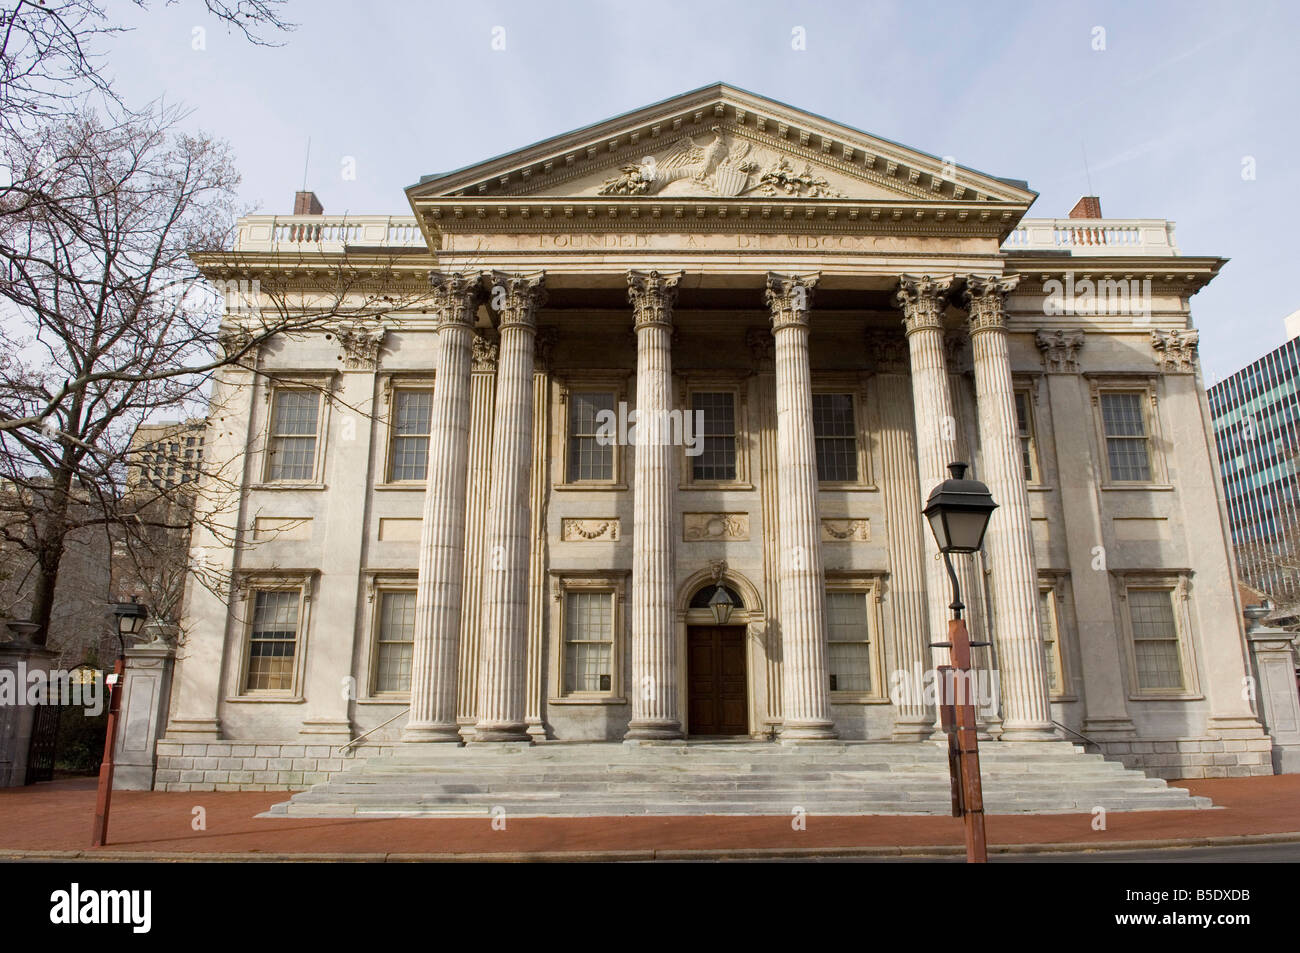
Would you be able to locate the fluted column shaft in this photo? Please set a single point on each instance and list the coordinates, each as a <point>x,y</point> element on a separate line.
<point>1027,711</point>
<point>654,641</point>
<point>923,300</point>
<point>805,673</point>
<point>913,718</point>
<point>442,533</point>
<point>504,639</point>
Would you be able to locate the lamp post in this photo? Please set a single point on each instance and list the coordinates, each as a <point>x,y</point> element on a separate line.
<point>958,511</point>
<point>130,618</point>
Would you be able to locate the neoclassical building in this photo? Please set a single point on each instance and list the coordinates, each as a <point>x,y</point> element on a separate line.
<point>444,527</point>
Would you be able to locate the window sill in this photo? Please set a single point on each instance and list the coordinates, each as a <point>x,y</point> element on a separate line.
<point>587,700</point>
<point>398,698</point>
<point>412,485</point>
<point>272,699</point>
<point>847,487</point>
<point>1039,487</point>
<point>288,486</point>
<point>857,698</point>
<point>738,487</point>
<point>589,487</point>
<point>1170,697</point>
<point>1137,486</point>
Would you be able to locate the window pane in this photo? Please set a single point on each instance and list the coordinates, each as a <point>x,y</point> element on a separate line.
<point>1155,638</point>
<point>396,642</point>
<point>1047,628</point>
<point>836,437</point>
<point>1026,435</point>
<point>849,641</point>
<point>589,460</point>
<point>273,640</point>
<point>1126,443</point>
<point>717,437</point>
<point>293,435</point>
<point>588,641</point>
<point>412,416</point>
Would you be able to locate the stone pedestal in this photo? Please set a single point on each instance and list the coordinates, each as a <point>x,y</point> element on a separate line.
<point>1273,666</point>
<point>17,718</point>
<point>147,687</point>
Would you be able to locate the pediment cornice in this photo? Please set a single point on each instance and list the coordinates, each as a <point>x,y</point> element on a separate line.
<point>705,138</point>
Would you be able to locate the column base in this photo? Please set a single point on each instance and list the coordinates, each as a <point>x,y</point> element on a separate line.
<point>431,734</point>
<point>658,730</point>
<point>808,731</point>
<point>913,730</point>
<point>536,731</point>
<point>499,732</point>
<point>1030,733</point>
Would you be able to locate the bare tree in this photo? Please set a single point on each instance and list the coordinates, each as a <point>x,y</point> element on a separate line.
<point>52,51</point>
<point>104,324</point>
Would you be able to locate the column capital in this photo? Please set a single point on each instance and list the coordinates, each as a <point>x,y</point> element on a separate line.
<point>922,298</point>
<point>789,297</point>
<point>455,296</point>
<point>653,295</point>
<point>984,296</point>
<point>515,298</point>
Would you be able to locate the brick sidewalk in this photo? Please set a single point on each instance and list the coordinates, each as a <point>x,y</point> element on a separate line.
<point>57,817</point>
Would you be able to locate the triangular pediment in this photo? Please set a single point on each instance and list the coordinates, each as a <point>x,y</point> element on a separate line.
<point>719,143</point>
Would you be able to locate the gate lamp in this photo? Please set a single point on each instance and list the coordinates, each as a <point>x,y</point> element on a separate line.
<point>721,605</point>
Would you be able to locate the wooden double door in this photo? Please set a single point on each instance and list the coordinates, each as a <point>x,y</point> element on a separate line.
<point>717,694</point>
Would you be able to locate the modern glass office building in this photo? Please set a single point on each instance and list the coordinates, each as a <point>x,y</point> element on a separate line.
<point>1256,414</point>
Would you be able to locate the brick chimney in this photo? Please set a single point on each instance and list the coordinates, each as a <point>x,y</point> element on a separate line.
<point>306,203</point>
<point>1087,207</point>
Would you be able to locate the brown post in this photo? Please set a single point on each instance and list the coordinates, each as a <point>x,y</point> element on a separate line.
<point>100,832</point>
<point>972,798</point>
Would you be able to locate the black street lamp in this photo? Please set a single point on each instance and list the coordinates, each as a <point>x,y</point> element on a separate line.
<point>130,616</point>
<point>721,605</point>
<point>958,511</point>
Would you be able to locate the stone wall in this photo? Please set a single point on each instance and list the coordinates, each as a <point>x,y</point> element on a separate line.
<point>1198,758</point>
<point>252,766</point>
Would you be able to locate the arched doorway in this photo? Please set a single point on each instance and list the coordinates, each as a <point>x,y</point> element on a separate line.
<point>717,682</point>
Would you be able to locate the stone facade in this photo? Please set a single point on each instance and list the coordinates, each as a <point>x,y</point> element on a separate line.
<point>850,316</point>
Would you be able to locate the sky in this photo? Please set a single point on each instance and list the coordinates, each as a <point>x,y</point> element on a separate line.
<point>1182,111</point>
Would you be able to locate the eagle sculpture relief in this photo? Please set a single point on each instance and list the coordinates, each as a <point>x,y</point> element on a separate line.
<point>713,166</point>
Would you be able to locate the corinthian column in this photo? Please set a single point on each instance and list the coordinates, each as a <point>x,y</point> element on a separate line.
<point>805,675</point>
<point>442,533</point>
<point>504,639</point>
<point>1009,541</point>
<point>654,643</point>
<point>923,299</point>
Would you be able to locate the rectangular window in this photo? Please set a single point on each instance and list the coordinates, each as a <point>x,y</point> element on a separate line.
<point>1049,628</point>
<point>273,640</point>
<point>717,461</point>
<point>1125,429</point>
<point>1025,430</point>
<point>589,459</point>
<point>396,642</point>
<point>1155,640</point>
<point>295,416</point>
<point>408,454</point>
<point>836,436</point>
<point>588,641</point>
<point>849,641</point>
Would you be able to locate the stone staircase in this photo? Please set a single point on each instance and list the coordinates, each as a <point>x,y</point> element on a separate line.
<point>556,779</point>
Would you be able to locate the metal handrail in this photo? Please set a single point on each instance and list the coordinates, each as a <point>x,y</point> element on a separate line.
<point>1079,734</point>
<point>363,735</point>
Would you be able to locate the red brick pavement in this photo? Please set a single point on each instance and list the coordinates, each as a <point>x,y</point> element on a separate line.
<point>57,817</point>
